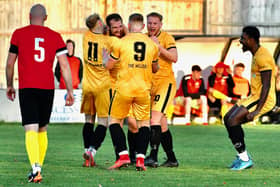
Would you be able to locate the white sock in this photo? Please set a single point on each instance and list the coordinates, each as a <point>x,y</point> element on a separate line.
<point>36,168</point>
<point>123,153</point>
<point>244,156</point>
<point>140,156</point>
<point>93,151</point>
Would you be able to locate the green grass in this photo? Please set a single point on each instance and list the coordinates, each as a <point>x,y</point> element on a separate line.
<point>204,152</point>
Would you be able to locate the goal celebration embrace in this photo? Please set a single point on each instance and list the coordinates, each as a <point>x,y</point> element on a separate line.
<point>124,66</point>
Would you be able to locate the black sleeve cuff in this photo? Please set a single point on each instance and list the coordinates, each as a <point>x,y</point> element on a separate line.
<point>172,47</point>
<point>113,57</point>
<point>13,49</point>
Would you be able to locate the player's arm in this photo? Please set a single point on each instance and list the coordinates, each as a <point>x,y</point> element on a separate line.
<point>155,66</point>
<point>211,80</point>
<point>249,92</point>
<point>202,90</point>
<point>231,85</point>
<point>170,53</point>
<point>10,74</point>
<point>266,80</point>
<point>81,70</point>
<point>110,63</point>
<point>66,74</point>
<point>108,59</point>
<point>184,83</point>
<point>57,72</point>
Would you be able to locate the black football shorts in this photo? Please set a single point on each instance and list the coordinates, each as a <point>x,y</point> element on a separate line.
<point>36,105</point>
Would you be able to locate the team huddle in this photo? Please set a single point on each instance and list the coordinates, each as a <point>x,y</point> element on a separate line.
<point>126,74</point>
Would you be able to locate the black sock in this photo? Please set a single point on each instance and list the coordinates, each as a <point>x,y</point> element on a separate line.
<point>155,141</point>
<point>236,134</point>
<point>131,138</point>
<point>167,144</point>
<point>142,140</point>
<point>99,136</point>
<point>87,134</point>
<point>118,137</point>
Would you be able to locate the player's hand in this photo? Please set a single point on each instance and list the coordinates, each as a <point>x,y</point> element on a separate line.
<point>252,115</point>
<point>69,99</point>
<point>105,56</point>
<point>11,93</point>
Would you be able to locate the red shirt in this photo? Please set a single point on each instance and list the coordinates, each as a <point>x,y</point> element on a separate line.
<point>37,47</point>
<point>221,85</point>
<point>191,88</point>
<point>75,64</point>
<point>193,85</point>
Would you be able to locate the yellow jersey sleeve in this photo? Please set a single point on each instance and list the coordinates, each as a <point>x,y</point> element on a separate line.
<point>165,71</point>
<point>169,42</point>
<point>264,63</point>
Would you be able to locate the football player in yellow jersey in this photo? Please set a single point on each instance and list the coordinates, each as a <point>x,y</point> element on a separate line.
<point>261,100</point>
<point>137,55</point>
<point>163,92</point>
<point>95,86</point>
<point>117,29</point>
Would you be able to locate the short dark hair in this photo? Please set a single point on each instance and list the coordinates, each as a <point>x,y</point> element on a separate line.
<point>70,41</point>
<point>155,14</point>
<point>239,65</point>
<point>92,20</point>
<point>252,32</point>
<point>136,17</point>
<point>196,68</point>
<point>114,16</point>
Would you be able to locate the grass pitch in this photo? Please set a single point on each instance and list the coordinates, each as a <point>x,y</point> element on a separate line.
<point>204,152</point>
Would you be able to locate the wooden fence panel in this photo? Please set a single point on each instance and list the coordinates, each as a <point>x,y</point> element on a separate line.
<point>68,18</point>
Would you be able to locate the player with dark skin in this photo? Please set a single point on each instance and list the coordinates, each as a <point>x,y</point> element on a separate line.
<point>261,100</point>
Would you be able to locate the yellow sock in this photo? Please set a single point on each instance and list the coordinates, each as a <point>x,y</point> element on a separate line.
<point>43,145</point>
<point>219,95</point>
<point>32,146</point>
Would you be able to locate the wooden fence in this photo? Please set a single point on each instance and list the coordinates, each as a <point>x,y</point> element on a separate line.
<point>68,18</point>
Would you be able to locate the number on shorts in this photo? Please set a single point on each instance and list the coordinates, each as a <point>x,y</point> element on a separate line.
<point>157,98</point>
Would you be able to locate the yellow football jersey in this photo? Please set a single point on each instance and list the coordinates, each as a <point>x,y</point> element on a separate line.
<point>135,52</point>
<point>114,71</point>
<point>95,76</point>
<point>262,61</point>
<point>165,71</point>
